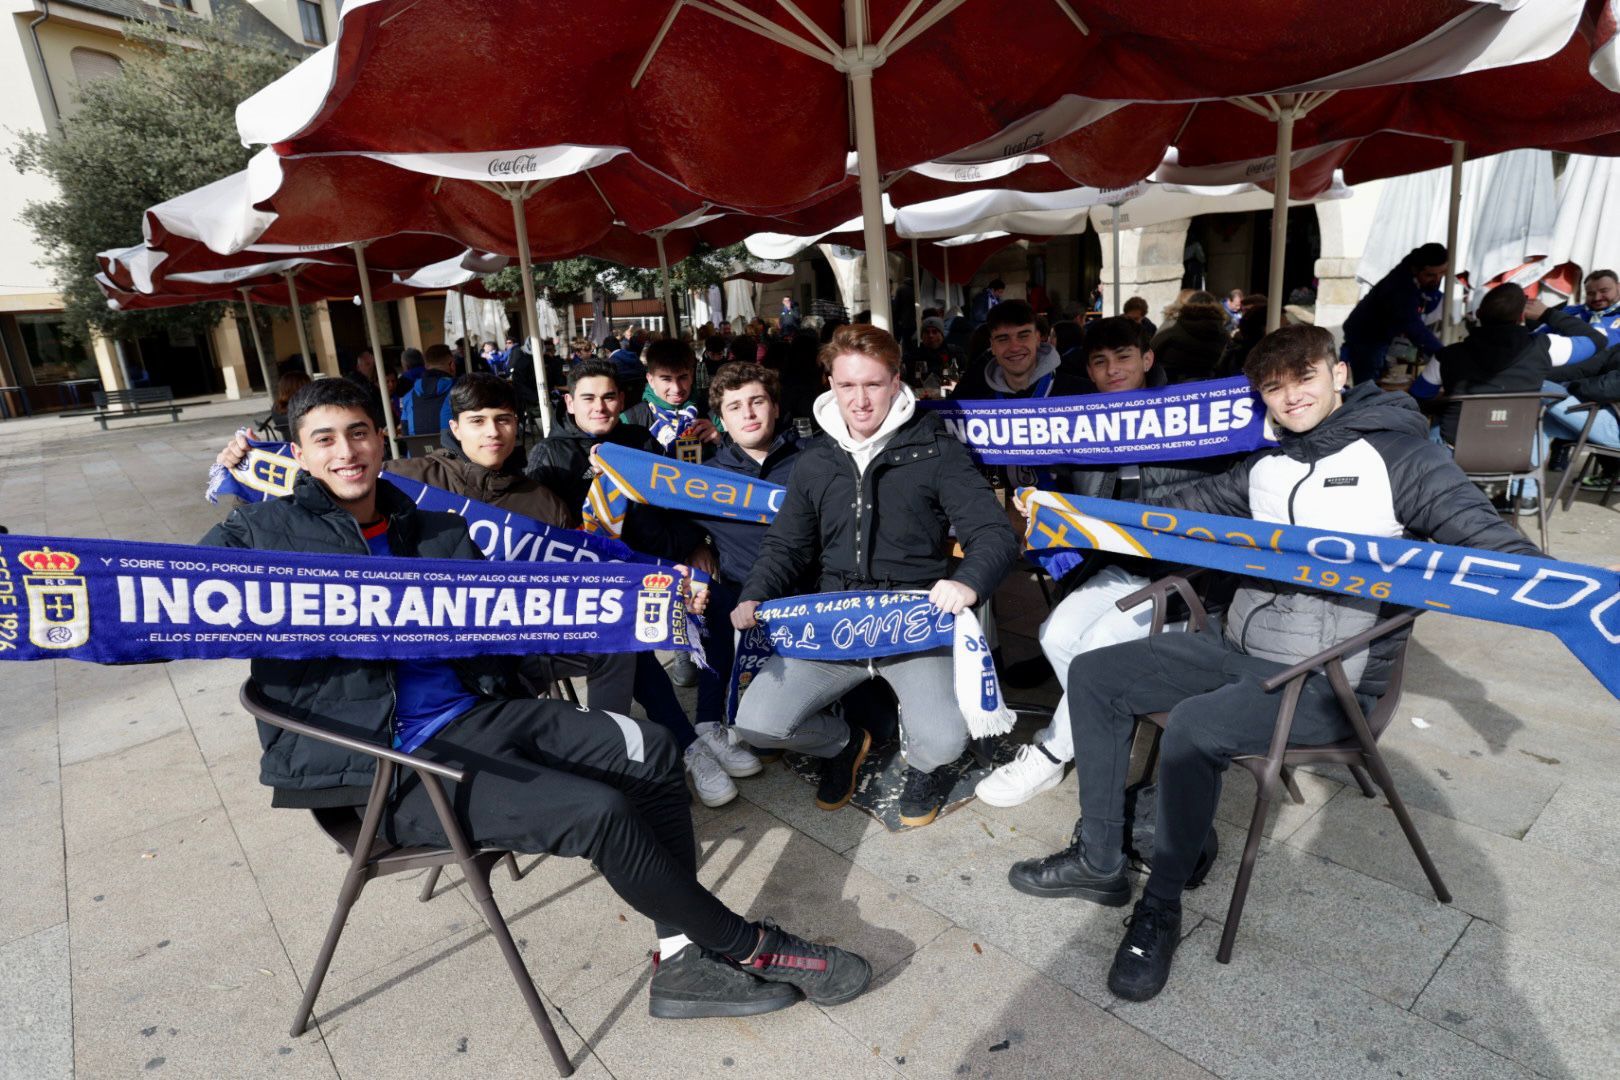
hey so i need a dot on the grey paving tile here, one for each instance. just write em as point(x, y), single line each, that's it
point(781, 793)
point(33, 888)
point(36, 1011)
point(106, 709)
point(1020, 1023)
point(30, 697)
point(1286, 816)
point(114, 795)
point(1579, 821)
point(1268, 1014)
point(1519, 886)
point(1554, 1014)
point(174, 957)
point(450, 1009)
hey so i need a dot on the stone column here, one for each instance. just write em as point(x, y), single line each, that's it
point(1345, 226)
point(410, 330)
point(1150, 265)
point(227, 341)
point(324, 342)
point(106, 354)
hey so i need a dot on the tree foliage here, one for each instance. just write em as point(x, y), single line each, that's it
point(162, 126)
point(578, 277)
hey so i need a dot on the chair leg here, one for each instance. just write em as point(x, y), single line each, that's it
point(512, 867)
point(1287, 776)
point(353, 882)
point(1364, 781)
point(477, 874)
point(430, 884)
point(1380, 771)
point(1240, 888)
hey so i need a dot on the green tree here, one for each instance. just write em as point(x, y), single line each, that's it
point(162, 126)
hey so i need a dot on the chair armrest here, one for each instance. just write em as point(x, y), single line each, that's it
point(1179, 582)
point(253, 700)
point(1341, 650)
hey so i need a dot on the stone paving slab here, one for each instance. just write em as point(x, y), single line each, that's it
point(36, 1007)
point(33, 887)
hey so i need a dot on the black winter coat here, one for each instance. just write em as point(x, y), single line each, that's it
point(349, 697)
point(562, 462)
point(1504, 360)
point(889, 528)
point(1190, 349)
point(1597, 379)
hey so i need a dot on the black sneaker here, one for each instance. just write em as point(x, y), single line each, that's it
point(1067, 873)
point(827, 975)
point(838, 772)
point(920, 798)
point(696, 982)
point(1142, 962)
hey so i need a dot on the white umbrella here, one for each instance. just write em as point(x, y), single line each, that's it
point(1586, 231)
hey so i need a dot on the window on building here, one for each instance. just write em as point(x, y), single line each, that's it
point(51, 356)
point(183, 5)
point(313, 22)
point(92, 64)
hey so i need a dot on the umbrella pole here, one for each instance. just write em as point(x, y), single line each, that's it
point(258, 348)
point(376, 347)
point(945, 254)
point(298, 321)
point(1115, 207)
point(1279, 211)
point(520, 226)
point(466, 334)
point(916, 289)
point(1453, 211)
point(877, 246)
point(672, 329)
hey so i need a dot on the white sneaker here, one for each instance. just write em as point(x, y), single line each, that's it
point(1021, 779)
point(737, 761)
point(683, 670)
point(709, 780)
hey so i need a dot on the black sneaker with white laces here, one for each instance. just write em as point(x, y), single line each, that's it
point(696, 982)
point(920, 799)
point(1142, 962)
point(839, 772)
point(825, 974)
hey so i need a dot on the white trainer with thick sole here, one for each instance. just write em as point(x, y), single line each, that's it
point(737, 761)
point(709, 781)
point(1021, 779)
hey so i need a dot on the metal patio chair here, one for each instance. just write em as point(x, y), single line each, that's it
point(1497, 435)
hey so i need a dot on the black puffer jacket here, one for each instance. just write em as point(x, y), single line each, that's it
point(1370, 469)
point(1190, 349)
point(1597, 379)
point(1506, 360)
point(349, 697)
point(562, 462)
point(889, 527)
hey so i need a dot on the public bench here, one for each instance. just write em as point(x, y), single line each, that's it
point(141, 401)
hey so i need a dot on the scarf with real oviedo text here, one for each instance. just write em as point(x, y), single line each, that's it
point(825, 626)
point(121, 601)
point(1579, 604)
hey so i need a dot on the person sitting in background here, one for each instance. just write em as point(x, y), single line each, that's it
point(1233, 305)
point(364, 372)
point(1190, 348)
point(929, 358)
point(743, 349)
point(549, 776)
point(714, 353)
point(1602, 307)
point(1251, 328)
point(426, 406)
point(1136, 309)
point(1396, 306)
point(1501, 355)
point(491, 358)
point(286, 386)
point(989, 298)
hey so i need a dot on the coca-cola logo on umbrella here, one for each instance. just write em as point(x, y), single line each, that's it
point(521, 165)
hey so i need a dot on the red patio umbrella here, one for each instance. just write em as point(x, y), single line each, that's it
point(918, 79)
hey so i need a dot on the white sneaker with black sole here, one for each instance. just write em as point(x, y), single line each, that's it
point(1021, 779)
point(737, 761)
point(709, 781)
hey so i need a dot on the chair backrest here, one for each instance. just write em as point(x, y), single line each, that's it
point(1496, 433)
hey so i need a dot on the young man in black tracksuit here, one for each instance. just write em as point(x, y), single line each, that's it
point(871, 506)
point(547, 776)
point(1356, 462)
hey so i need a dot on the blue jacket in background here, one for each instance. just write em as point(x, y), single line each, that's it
point(1607, 320)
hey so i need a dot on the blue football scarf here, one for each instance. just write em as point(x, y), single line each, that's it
point(121, 601)
point(670, 424)
point(1578, 603)
point(1172, 423)
point(634, 476)
point(866, 625)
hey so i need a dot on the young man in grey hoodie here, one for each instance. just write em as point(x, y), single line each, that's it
point(872, 506)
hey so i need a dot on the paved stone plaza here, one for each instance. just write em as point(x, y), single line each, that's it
point(157, 918)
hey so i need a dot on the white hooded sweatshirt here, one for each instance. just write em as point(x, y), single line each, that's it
point(864, 450)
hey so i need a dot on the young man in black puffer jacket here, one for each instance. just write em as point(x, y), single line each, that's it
point(1358, 462)
point(548, 776)
point(871, 506)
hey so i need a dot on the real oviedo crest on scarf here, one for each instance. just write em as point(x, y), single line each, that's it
point(58, 599)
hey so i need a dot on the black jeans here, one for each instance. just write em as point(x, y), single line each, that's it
point(550, 776)
point(1217, 712)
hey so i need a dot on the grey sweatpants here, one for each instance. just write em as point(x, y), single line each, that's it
point(786, 702)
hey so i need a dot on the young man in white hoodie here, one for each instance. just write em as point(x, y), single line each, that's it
point(872, 506)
